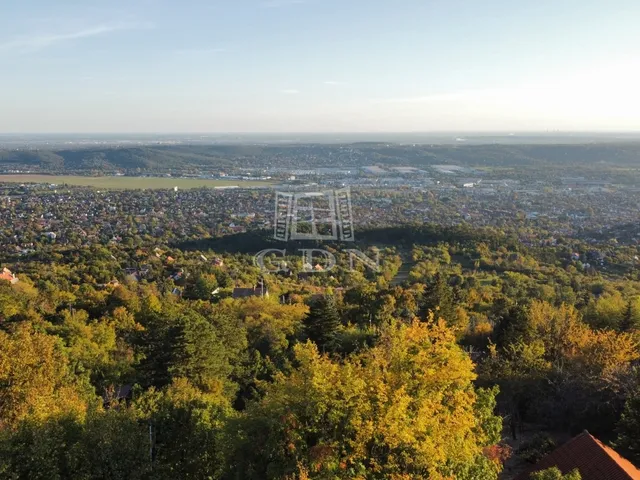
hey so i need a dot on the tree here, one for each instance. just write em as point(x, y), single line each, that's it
point(93, 345)
point(364, 298)
point(199, 354)
point(607, 311)
point(35, 379)
point(439, 298)
point(41, 449)
point(188, 430)
point(269, 326)
point(323, 322)
point(202, 287)
point(554, 473)
point(629, 320)
point(156, 344)
point(180, 342)
point(513, 326)
point(114, 444)
point(405, 408)
point(552, 366)
point(628, 428)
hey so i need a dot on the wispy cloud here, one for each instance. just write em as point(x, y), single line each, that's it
point(199, 51)
point(334, 83)
point(282, 3)
point(39, 41)
point(443, 97)
point(290, 91)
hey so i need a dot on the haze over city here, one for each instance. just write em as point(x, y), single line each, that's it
point(319, 66)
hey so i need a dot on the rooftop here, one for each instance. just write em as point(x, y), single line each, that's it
point(591, 457)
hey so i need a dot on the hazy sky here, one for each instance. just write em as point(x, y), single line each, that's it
point(319, 65)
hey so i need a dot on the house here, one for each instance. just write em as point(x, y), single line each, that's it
point(257, 291)
point(8, 276)
point(469, 182)
point(175, 276)
point(592, 458)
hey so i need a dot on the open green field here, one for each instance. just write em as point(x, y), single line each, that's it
point(128, 183)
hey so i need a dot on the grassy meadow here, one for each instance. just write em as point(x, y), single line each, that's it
point(128, 183)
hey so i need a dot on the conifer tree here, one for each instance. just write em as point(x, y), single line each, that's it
point(628, 322)
point(439, 298)
point(323, 322)
point(629, 427)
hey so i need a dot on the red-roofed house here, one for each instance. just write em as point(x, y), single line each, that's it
point(8, 276)
point(591, 457)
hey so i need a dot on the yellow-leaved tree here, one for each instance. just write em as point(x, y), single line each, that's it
point(35, 379)
point(404, 409)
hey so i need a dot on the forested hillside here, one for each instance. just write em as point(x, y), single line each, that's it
point(162, 370)
point(206, 157)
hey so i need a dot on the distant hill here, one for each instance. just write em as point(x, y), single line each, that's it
point(197, 158)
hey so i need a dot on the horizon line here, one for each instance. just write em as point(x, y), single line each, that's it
point(354, 132)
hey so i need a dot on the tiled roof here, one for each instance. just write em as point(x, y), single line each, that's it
point(591, 457)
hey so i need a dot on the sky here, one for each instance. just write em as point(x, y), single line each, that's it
point(156, 66)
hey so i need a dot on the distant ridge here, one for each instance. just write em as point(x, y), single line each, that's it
point(196, 158)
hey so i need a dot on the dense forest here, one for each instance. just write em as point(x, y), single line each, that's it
point(466, 352)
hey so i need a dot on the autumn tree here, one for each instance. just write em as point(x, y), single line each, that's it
point(552, 366)
point(96, 347)
point(405, 408)
point(35, 378)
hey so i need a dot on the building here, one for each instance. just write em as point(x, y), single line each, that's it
point(218, 262)
point(8, 276)
point(258, 291)
point(469, 182)
point(591, 457)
